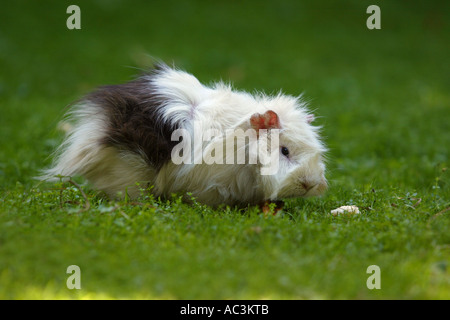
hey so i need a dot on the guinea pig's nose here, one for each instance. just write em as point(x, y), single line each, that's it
point(314, 188)
point(323, 186)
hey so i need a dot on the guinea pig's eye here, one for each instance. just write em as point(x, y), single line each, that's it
point(285, 151)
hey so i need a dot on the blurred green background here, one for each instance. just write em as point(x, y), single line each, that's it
point(382, 97)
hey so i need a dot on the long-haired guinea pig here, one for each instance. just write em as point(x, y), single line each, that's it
point(123, 139)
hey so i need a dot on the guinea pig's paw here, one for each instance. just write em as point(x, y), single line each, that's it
point(345, 209)
point(271, 207)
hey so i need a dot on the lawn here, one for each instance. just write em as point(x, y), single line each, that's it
point(382, 97)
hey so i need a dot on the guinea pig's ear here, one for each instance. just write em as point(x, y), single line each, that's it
point(267, 120)
point(310, 118)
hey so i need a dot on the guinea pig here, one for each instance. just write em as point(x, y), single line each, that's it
point(122, 139)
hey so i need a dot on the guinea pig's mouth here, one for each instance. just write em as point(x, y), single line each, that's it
point(303, 190)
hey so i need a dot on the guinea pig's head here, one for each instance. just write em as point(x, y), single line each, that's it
point(299, 153)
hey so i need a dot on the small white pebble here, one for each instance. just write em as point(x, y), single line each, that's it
point(345, 209)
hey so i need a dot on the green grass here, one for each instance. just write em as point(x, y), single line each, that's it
point(382, 98)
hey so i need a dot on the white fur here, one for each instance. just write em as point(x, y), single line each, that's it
point(217, 107)
point(107, 168)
